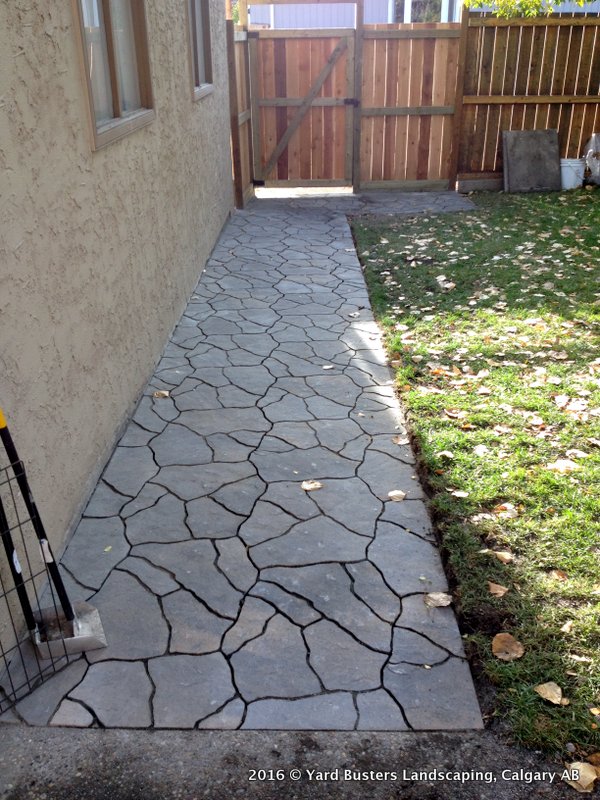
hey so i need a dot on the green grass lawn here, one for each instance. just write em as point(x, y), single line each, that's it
point(491, 320)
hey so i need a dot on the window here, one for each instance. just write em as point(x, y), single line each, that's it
point(199, 19)
point(117, 66)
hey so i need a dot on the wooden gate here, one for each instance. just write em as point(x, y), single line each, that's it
point(302, 102)
point(370, 107)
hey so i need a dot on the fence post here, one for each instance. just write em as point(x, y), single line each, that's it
point(458, 99)
point(357, 122)
point(234, 114)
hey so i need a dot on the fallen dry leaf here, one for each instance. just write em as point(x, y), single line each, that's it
point(595, 712)
point(567, 627)
point(496, 589)
point(506, 511)
point(311, 486)
point(437, 599)
point(563, 466)
point(458, 492)
point(550, 691)
point(445, 454)
point(481, 450)
point(506, 648)
point(558, 574)
point(502, 555)
point(594, 759)
point(328, 366)
point(586, 773)
point(161, 393)
point(400, 440)
point(574, 453)
point(396, 495)
point(455, 413)
point(483, 390)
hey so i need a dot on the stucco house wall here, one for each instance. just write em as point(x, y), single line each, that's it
point(99, 250)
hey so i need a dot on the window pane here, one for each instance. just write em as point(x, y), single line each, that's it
point(199, 22)
point(95, 43)
point(124, 39)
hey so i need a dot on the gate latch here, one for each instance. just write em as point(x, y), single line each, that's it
point(351, 101)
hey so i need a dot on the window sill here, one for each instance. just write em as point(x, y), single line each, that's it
point(116, 129)
point(203, 91)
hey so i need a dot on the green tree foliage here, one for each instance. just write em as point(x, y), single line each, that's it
point(518, 8)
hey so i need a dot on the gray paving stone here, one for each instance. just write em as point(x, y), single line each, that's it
point(146, 418)
point(228, 718)
point(275, 664)
point(351, 503)
point(255, 380)
point(407, 563)
point(118, 692)
point(340, 661)
point(132, 620)
point(72, 715)
point(227, 448)
point(329, 589)
point(240, 497)
point(209, 520)
point(337, 388)
point(178, 445)
point(224, 420)
point(146, 498)
point(189, 688)
point(297, 609)
point(437, 624)
point(295, 434)
point(412, 648)
point(163, 522)
point(105, 502)
point(316, 462)
point(383, 474)
point(327, 712)
point(336, 434)
point(436, 699)
point(267, 521)
point(96, 547)
point(189, 483)
point(194, 629)
point(39, 707)
point(234, 563)
point(370, 587)
point(412, 515)
point(157, 580)
point(129, 469)
point(287, 409)
point(378, 712)
point(251, 623)
point(136, 436)
point(316, 540)
point(192, 564)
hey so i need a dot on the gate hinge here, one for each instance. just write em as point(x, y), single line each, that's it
point(351, 101)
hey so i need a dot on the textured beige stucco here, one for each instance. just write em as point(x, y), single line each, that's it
point(98, 250)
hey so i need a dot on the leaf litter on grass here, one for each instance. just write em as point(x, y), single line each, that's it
point(501, 372)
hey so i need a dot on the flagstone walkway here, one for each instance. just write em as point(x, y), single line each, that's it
point(230, 596)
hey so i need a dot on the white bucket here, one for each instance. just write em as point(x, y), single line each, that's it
point(571, 172)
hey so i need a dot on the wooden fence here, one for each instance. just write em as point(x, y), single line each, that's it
point(526, 74)
point(410, 106)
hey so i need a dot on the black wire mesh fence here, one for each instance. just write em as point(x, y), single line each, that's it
point(25, 589)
